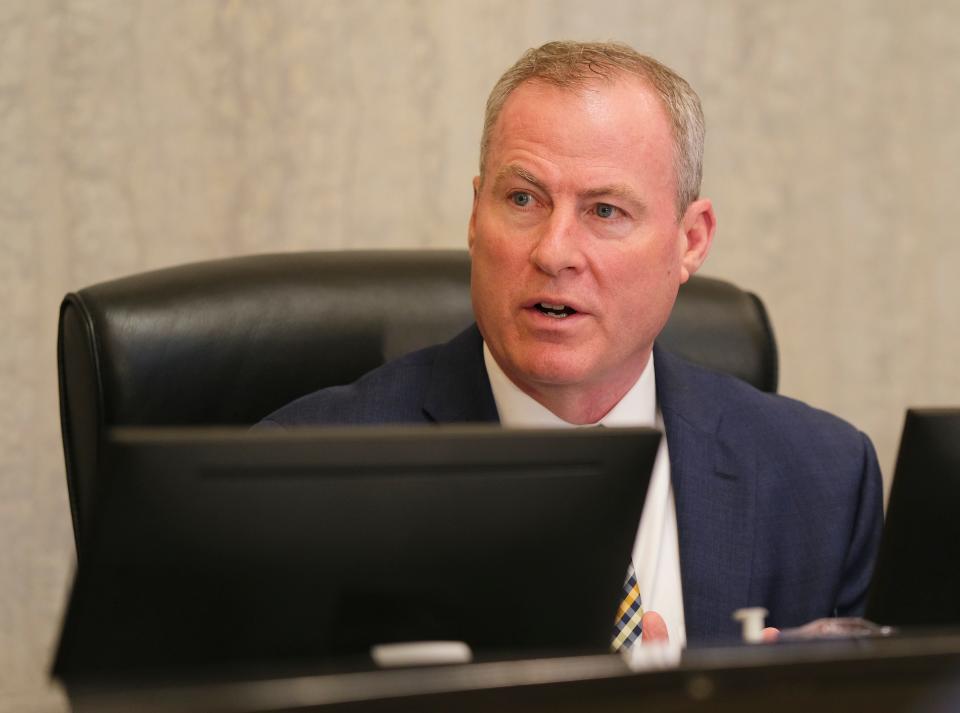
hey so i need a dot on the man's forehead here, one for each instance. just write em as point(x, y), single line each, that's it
point(620, 146)
point(629, 91)
point(588, 88)
point(600, 121)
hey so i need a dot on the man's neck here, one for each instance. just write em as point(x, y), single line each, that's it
point(578, 405)
point(574, 404)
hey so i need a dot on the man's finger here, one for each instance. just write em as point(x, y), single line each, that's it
point(654, 628)
point(770, 634)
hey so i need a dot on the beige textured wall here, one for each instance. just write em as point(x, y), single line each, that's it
point(136, 134)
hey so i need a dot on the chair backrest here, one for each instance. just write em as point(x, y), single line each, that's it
point(228, 341)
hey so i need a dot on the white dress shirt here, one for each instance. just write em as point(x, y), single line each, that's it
point(656, 553)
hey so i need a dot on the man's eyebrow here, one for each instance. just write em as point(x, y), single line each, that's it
point(519, 171)
point(617, 190)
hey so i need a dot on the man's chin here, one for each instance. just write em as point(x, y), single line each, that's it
point(553, 374)
point(541, 366)
point(552, 370)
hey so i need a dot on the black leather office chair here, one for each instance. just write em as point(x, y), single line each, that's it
point(228, 341)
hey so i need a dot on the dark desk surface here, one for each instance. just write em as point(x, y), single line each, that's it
point(915, 673)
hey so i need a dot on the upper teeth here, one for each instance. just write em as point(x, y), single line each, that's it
point(555, 311)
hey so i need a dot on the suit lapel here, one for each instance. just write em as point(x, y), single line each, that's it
point(714, 487)
point(459, 388)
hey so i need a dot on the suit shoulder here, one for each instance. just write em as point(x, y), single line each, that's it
point(762, 413)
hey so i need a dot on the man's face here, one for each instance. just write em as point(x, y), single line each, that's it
point(576, 247)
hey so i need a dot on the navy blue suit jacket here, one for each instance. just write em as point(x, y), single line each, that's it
point(778, 504)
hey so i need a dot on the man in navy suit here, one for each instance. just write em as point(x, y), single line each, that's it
point(586, 220)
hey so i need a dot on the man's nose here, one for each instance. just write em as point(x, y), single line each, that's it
point(559, 245)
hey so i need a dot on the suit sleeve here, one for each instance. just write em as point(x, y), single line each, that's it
point(865, 540)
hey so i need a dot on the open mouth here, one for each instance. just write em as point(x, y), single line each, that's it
point(555, 311)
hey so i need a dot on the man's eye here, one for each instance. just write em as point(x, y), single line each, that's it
point(605, 210)
point(521, 198)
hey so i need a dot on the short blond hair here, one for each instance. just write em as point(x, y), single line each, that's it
point(573, 64)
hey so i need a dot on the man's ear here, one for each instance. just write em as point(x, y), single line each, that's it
point(696, 232)
point(472, 228)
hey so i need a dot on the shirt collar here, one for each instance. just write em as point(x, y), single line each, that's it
point(638, 407)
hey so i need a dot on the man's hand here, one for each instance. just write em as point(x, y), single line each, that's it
point(834, 628)
point(655, 630)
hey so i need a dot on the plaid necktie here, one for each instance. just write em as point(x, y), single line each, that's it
point(628, 627)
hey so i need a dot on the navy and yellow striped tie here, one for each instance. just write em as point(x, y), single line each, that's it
point(628, 625)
